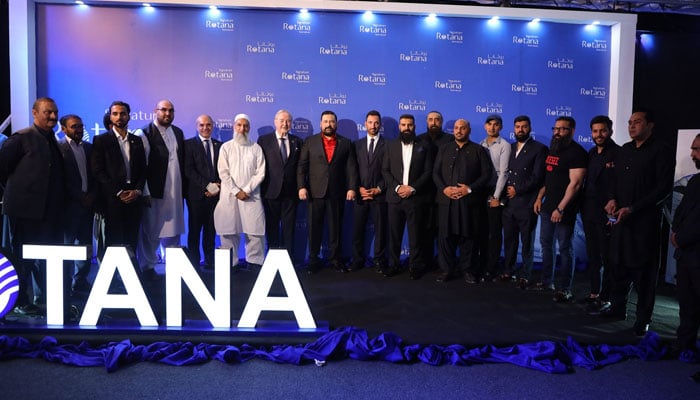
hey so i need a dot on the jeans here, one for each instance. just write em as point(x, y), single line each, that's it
point(562, 232)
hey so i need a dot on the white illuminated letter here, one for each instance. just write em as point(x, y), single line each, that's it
point(179, 269)
point(117, 258)
point(277, 260)
point(54, 256)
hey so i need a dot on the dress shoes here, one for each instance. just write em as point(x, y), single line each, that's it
point(443, 277)
point(415, 273)
point(27, 309)
point(356, 266)
point(339, 266)
point(522, 283)
point(505, 278)
point(563, 296)
point(640, 329)
point(392, 271)
point(470, 278)
point(610, 312)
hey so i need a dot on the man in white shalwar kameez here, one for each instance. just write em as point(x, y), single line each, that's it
point(240, 208)
point(163, 222)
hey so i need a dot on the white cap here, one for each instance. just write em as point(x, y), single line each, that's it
point(239, 116)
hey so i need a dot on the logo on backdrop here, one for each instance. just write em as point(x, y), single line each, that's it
point(491, 107)
point(491, 59)
point(333, 99)
point(303, 128)
point(299, 27)
point(374, 78)
point(297, 76)
point(527, 40)
point(260, 48)
point(561, 63)
point(260, 96)
point(451, 85)
point(529, 89)
point(414, 56)
point(413, 105)
point(221, 74)
point(333, 50)
point(597, 92)
point(374, 29)
point(223, 25)
point(451, 36)
point(559, 111)
point(9, 285)
point(597, 44)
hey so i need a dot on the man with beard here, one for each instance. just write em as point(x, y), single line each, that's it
point(118, 163)
point(203, 186)
point(31, 170)
point(643, 181)
point(499, 150)
point(461, 174)
point(407, 169)
point(326, 178)
point(164, 221)
point(525, 178)
point(599, 177)
point(557, 204)
point(685, 237)
point(370, 152)
point(436, 137)
point(279, 188)
point(240, 209)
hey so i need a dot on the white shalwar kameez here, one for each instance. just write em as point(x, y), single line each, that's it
point(241, 168)
point(164, 221)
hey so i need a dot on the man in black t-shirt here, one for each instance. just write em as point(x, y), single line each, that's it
point(557, 204)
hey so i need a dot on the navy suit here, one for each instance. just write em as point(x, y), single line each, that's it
point(31, 169)
point(327, 184)
point(526, 175)
point(79, 211)
point(370, 176)
point(686, 227)
point(408, 212)
point(122, 221)
point(279, 190)
point(199, 173)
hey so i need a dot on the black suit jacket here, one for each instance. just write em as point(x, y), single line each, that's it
point(109, 169)
point(74, 184)
point(26, 172)
point(158, 158)
point(686, 224)
point(600, 178)
point(330, 180)
point(370, 171)
point(526, 173)
point(197, 168)
point(280, 179)
point(420, 174)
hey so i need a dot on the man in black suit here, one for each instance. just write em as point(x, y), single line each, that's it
point(326, 177)
point(685, 237)
point(279, 189)
point(81, 196)
point(407, 169)
point(370, 152)
point(462, 173)
point(203, 185)
point(599, 178)
point(524, 180)
point(643, 181)
point(118, 164)
point(163, 221)
point(31, 169)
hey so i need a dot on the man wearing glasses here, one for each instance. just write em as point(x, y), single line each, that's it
point(557, 204)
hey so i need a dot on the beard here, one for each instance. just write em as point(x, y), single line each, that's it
point(241, 139)
point(697, 163)
point(463, 139)
point(557, 144)
point(408, 136)
point(328, 132)
point(522, 138)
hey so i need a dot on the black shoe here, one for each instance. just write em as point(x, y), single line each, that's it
point(380, 268)
point(470, 278)
point(393, 271)
point(640, 329)
point(72, 315)
point(356, 266)
point(522, 283)
point(505, 278)
point(443, 277)
point(339, 266)
point(612, 313)
point(415, 273)
point(536, 287)
point(563, 296)
point(598, 307)
point(27, 309)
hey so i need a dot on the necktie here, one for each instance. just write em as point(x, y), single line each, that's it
point(210, 162)
point(371, 149)
point(283, 150)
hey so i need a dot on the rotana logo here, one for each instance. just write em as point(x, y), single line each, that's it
point(9, 286)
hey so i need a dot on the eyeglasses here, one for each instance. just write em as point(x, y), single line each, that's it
point(560, 128)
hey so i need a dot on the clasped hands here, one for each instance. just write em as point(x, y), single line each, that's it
point(456, 192)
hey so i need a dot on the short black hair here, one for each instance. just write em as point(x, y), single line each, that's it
point(64, 119)
point(521, 118)
point(570, 120)
point(602, 119)
point(120, 103)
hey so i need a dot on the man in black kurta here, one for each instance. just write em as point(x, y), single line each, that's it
point(643, 181)
point(461, 174)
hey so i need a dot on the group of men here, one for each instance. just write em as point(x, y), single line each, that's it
point(458, 200)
